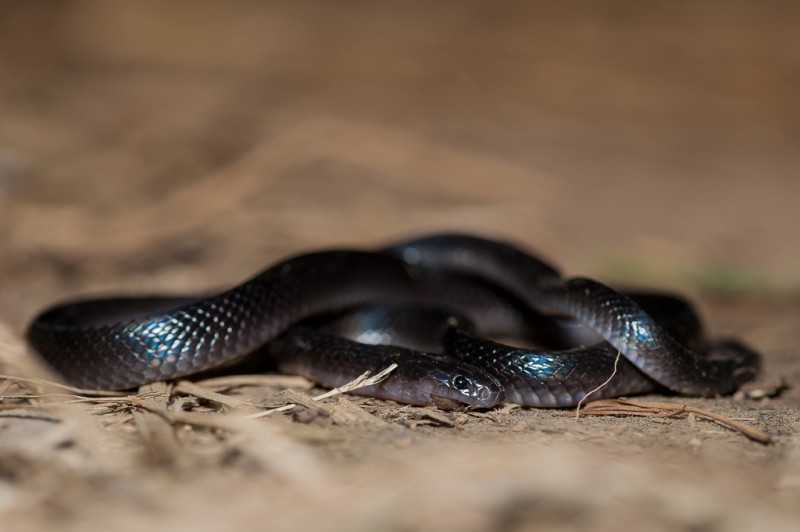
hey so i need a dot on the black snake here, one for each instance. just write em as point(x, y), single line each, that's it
point(445, 292)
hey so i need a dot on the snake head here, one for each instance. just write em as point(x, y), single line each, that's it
point(455, 386)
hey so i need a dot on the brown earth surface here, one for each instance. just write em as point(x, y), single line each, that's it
point(182, 146)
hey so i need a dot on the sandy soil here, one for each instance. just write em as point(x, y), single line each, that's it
point(150, 147)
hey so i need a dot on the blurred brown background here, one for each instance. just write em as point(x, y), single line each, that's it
point(184, 145)
point(655, 142)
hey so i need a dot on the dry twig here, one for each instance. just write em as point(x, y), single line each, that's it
point(361, 381)
point(600, 387)
point(619, 407)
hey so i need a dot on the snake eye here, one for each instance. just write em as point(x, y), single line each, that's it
point(461, 383)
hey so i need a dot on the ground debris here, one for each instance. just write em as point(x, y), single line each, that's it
point(662, 409)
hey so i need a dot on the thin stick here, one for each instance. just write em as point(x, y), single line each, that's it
point(578, 408)
point(361, 381)
point(750, 432)
point(617, 407)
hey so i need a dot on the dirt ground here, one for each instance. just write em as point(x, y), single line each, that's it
point(149, 146)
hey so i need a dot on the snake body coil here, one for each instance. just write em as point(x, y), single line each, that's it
point(476, 286)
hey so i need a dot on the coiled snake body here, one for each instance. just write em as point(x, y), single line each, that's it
point(445, 291)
